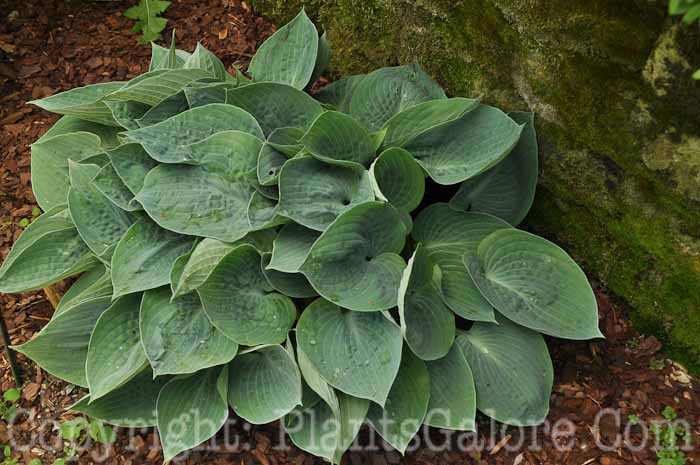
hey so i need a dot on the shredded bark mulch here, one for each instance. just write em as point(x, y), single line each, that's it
point(51, 46)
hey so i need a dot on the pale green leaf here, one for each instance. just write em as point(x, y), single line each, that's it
point(204, 258)
point(203, 59)
point(339, 93)
point(294, 285)
point(108, 182)
point(337, 138)
point(132, 163)
point(291, 247)
point(84, 102)
point(397, 178)
point(155, 86)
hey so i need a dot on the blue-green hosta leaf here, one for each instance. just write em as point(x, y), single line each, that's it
point(387, 91)
point(163, 141)
point(232, 154)
point(291, 247)
point(49, 250)
point(203, 59)
point(337, 138)
point(84, 102)
point(144, 257)
point(339, 93)
point(98, 220)
point(397, 178)
point(69, 124)
point(315, 382)
point(463, 148)
point(115, 354)
point(323, 58)
point(287, 140)
point(161, 58)
point(191, 409)
point(132, 164)
point(192, 200)
point(355, 263)
point(88, 287)
point(508, 189)
point(126, 112)
point(314, 193)
point(240, 302)
point(324, 432)
point(204, 94)
point(452, 402)
point(294, 285)
point(406, 405)
point(512, 371)
point(132, 405)
point(203, 259)
point(447, 234)
point(264, 384)
point(289, 55)
point(534, 283)
point(270, 162)
point(155, 86)
point(422, 117)
point(275, 105)
point(171, 106)
point(49, 165)
point(358, 353)
point(177, 335)
point(427, 323)
point(263, 213)
point(108, 182)
point(61, 346)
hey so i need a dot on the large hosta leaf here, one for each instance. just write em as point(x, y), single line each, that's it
point(84, 102)
point(115, 354)
point(108, 182)
point(397, 178)
point(191, 409)
point(163, 141)
point(358, 353)
point(422, 117)
point(125, 113)
point(177, 335)
point(86, 281)
point(61, 347)
point(98, 220)
point(355, 263)
point(313, 193)
point(155, 86)
point(452, 394)
point(49, 250)
point(406, 405)
point(339, 93)
point(204, 258)
point(294, 285)
point(171, 106)
point(132, 405)
point(205, 60)
point(132, 164)
point(461, 149)
point(535, 283)
point(270, 161)
point(49, 164)
point(289, 55)
point(387, 91)
point(144, 257)
point(239, 301)
point(512, 371)
point(275, 106)
point(337, 138)
point(508, 189)
point(447, 234)
point(427, 323)
point(291, 247)
point(264, 384)
point(69, 124)
point(166, 58)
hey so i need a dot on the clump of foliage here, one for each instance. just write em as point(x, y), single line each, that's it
point(668, 435)
point(243, 243)
point(690, 10)
point(149, 23)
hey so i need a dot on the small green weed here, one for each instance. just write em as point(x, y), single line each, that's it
point(8, 406)
point(668, 436)
point(656, 364)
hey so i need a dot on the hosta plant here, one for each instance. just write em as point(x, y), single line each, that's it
point(243, 244)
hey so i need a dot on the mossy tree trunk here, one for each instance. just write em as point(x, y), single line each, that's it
point(618, 119)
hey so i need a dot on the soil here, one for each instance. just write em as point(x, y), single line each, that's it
point(50, 46)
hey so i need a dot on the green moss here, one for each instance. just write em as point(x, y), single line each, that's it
point(617, 117)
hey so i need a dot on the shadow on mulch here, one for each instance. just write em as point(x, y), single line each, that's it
point(47, 47)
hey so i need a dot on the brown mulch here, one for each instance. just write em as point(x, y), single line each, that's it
point(47, 47)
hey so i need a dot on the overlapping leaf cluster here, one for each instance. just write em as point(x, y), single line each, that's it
point(245, 244)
